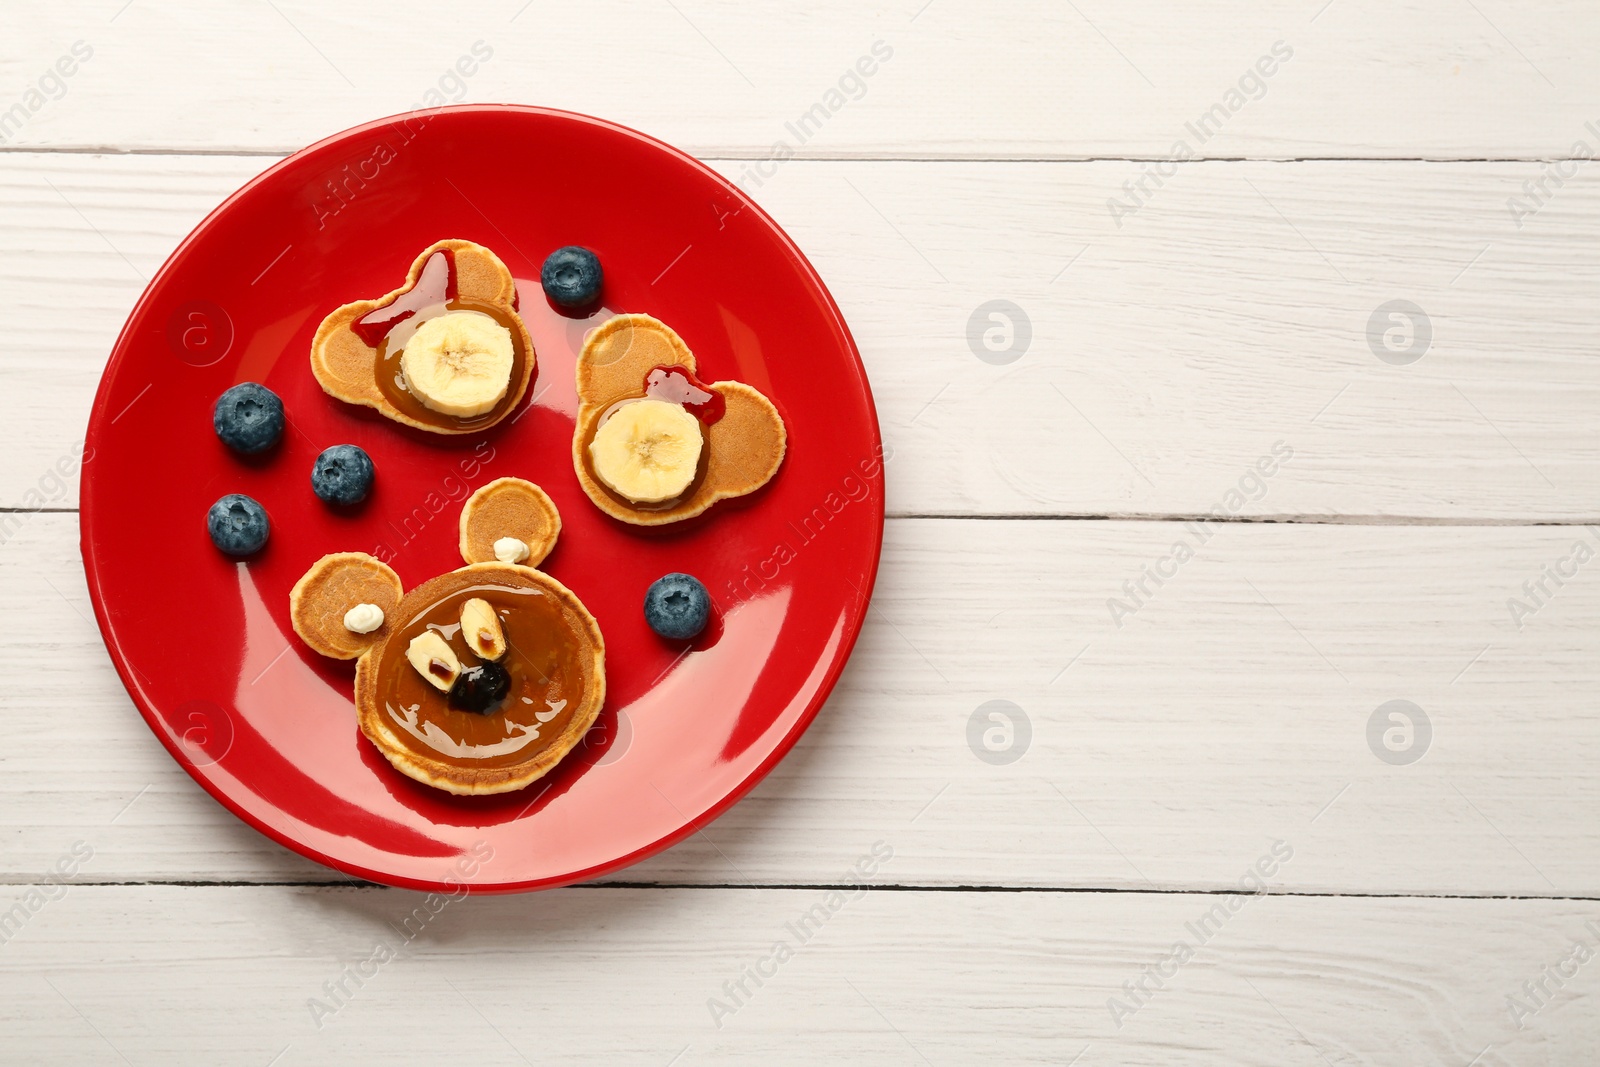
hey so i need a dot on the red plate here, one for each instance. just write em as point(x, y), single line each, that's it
point(204, 644)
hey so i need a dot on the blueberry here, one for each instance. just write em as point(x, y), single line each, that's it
point(677, 606)
point(248, 418)
point(238, 524)
point(342, 475)
point(571, 276)
point(480, 689)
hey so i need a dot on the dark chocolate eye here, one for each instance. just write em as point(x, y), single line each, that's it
point(480, 689)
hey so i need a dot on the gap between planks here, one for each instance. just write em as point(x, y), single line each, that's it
point(1042, 516)
point(823, 887)
point(734, 156)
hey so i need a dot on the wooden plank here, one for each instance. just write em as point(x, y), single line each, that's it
point(952, 78)
point(237, 975)
point(1227, 317)
point(1230, 708)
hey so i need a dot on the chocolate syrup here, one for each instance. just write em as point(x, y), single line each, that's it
point(389, 327)
point(545, 657)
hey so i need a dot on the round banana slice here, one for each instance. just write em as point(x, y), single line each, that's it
point(647, 451)
point(459, 363)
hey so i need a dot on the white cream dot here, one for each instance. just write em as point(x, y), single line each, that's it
point(510, 550)
point(363, 618)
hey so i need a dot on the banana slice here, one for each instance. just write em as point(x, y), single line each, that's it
point(647, 451)
point(434, 660)
point(459, 363)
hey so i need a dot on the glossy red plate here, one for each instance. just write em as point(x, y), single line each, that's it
point(203, 642)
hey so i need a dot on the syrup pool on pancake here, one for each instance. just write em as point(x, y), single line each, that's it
point(442, 360)
point(542, 650)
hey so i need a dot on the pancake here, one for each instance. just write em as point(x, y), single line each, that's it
point(508, 507)
point(347, 367)
point(743, 448)
point(423, 752)
point(333, 586)
point(552, 652)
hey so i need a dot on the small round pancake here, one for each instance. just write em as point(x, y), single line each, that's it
point(455, 777)
point(333, 586)
point(509, 507)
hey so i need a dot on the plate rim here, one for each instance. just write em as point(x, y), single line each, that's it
point(855, 614)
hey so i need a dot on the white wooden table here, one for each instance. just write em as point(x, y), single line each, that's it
point(1235, 310)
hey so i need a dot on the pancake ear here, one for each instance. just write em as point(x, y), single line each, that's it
point(335, 584)
point(509, 507)
point(747, 444)
point(481, 278)
point(620, 351)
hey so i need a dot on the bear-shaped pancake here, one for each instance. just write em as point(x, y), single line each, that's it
point(446, 352)
point(478, 680)
point(653, 444)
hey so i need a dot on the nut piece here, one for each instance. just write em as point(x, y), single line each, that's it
point(434, 660)
point(363, 618)
point(510, 550)
point(480, 626)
